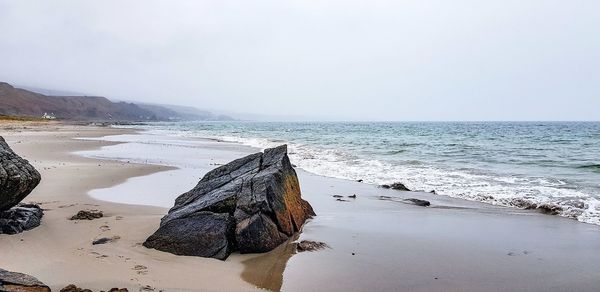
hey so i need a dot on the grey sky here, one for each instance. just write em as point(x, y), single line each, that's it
point(360, 60)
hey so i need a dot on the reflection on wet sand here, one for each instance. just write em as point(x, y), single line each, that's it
point(266, 270)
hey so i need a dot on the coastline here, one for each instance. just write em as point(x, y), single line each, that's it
point(454, 245)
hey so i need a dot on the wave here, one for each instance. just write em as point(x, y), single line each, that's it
point(592, 167)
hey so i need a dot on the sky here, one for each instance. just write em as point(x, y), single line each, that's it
point(317, 59)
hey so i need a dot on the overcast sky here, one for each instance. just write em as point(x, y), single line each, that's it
point(359, 60)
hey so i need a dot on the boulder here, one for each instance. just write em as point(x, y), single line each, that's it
point(17, 177)
point(18, 282)
point(20, 218)
point(252, 204)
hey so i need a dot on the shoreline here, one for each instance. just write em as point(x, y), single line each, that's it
point(570, 193)
point(453, 245)
point(516, 204)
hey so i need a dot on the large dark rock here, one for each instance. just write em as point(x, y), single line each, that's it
point(18, 282)
point(20, 218)
point(17, 177)
point(252, 204)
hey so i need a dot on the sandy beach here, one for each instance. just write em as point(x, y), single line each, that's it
point(60, 251)
point(377, 241)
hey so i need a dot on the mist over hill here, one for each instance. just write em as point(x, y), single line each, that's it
point(21, 102)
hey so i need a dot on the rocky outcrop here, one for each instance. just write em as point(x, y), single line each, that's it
point(17, 177)
point(252, 204)
point(20, 218)
point(18, 282)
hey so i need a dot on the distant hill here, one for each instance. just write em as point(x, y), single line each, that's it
point(185, 112)
point(21, 102)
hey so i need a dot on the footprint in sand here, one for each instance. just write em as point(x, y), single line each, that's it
point(67, 206)
point(98, 255)
point(146, 288)
point(141, 269)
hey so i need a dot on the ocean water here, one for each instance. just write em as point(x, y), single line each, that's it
point(514, 164)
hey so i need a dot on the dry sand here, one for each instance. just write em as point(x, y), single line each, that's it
point(60, 251)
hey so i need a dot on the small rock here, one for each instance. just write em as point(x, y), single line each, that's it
point(418, 202)
point(341, 200)
point(337, 196)
point(105, 240)
point(87, 215)
point(399, 186)
point(118, 290)
point(307, 245)
point(359, 180)
point(73, 288)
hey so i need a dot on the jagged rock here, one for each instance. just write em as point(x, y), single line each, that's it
point(17, 177)
point(18, 282)
point(87, 215)
point(396, 186)
point(20, 218)
point(252, 204)
point(308, 245)
point(418, 202)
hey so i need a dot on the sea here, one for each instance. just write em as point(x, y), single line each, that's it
point(555, 165)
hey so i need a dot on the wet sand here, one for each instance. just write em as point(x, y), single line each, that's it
point(375, 244)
